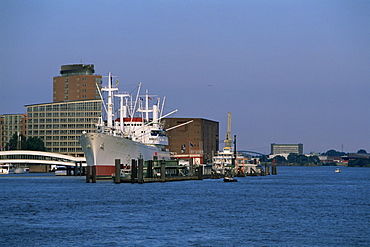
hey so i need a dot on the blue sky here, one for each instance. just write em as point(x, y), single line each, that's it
point(289, 71)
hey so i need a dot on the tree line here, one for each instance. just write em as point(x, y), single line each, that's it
point(303, 160)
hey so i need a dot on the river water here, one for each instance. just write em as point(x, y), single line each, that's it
point(301, 206)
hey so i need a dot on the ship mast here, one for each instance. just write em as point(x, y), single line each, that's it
point(110, 89)
point(123, 108)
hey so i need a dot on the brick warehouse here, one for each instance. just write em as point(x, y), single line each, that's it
point(197, 140)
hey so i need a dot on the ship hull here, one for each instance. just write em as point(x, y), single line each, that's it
point(101, 150)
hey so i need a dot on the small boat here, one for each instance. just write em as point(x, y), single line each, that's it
point(61, 171)
point(230, 179)
point(6, 169)
point(22, 170)
point(338, 170)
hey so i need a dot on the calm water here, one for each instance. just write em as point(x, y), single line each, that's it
point(301, 206)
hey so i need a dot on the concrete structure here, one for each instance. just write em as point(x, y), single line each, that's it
point(197, 140)
point(286, 148)
point(9, 125)
point(60, 124)
point(76, 82)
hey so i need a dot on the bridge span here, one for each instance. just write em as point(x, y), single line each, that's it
point(39, 158)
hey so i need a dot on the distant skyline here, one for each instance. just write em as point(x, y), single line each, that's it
point(289, 71)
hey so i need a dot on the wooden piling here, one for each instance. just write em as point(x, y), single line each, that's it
point(117, 166)
point(163, 171)
point(191, 166)
point(93, 174)
point(200, 172)
point(267, 169)
point(75, 171)
point(88, 174)
point(149, 171)
point(140, 174)
point(133, 170)
point(274, 170)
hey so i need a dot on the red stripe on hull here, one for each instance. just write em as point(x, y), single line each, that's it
point(104, 171)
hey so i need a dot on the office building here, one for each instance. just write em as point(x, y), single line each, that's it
point(76, 82)
point(286, 148)
point(9, 125)
point(60, 124)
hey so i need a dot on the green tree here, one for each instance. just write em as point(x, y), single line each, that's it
point(334, 153)
point(21, 143)
point(361, 151)
point(292, 158)
point(362, 162)
point(35, 144)
point(264, 158)
point(17, 142)
point(302, 159)
point(279, 159)
point(314, 160)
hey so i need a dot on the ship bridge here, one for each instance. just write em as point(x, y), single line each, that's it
point(39, 158)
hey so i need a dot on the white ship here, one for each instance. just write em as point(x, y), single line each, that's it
point(223, 164)
point(6, 169)
point(136, 133)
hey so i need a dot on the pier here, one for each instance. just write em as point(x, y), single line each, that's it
point(151, 171)
point(159, 171)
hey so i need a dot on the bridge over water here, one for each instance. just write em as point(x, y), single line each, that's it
point(39, 158)
point(250, 153)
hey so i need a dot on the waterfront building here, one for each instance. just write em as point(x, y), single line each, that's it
point(77, 107)
point(286, 148)
point(197, 140)
point(76, 82)
point(10, 124)
point(60, 124)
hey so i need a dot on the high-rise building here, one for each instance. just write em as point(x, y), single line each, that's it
point(76, 82)
point(197, 140)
